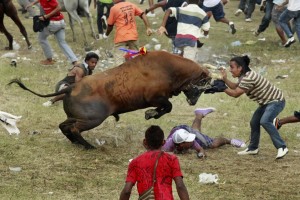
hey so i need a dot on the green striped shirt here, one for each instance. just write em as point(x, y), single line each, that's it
point(259, 89)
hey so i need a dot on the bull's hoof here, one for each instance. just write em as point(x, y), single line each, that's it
point(150, 114)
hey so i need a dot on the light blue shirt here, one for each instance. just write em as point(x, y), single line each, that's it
point(278, 2)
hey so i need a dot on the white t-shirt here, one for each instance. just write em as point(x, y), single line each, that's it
point(294, 5)
point(212, 3)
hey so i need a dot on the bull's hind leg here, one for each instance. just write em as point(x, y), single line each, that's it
point(72, 129)
point(163, 106)
point(65, 129)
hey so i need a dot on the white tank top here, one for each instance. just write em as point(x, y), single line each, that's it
point(210, 3)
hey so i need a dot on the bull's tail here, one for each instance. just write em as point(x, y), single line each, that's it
point(19, 82)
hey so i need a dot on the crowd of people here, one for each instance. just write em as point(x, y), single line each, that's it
point(183, 22)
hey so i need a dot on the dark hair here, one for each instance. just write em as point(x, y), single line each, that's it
point(90, 55)
point(242, 61)
point(193, 2)
point(154, 136)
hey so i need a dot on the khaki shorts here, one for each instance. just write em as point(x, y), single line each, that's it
point(190, 52)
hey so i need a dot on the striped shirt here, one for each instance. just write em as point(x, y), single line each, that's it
point(190, 19)
point(259, 89)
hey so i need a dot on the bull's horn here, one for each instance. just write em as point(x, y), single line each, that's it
point(209, 66)
point(215, 76)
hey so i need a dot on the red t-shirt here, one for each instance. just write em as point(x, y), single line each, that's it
point(49, 6)
point(140, 170)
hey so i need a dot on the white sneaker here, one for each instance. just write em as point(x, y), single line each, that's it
point(248, 152)
point(232, 28)
point(248, 20)
point(48, 103)
point(150, 14)
point(100, 36)
point(290, 41)
point(204, 111)
point(238, 12)
point(237, 143)
point(282, 152)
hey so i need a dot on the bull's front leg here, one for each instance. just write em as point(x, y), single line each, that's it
point(163, 106)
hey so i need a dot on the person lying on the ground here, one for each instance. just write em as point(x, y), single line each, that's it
point(286, 120)
point(75, 74)
point(184, 137)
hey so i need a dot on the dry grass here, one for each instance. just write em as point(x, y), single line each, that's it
point(53, 168)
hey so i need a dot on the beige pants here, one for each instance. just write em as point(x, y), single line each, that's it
point(119, 54)
point(190, 53)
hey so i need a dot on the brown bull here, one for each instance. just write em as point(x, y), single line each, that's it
point(145, 81)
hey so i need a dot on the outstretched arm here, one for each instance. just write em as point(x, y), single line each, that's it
point(146, 22)
point(162, 28)
point(181, 189)
point(229, 83)
point(233, 90)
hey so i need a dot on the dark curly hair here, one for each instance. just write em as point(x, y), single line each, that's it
point(242, 61)
point(154, 136)
point(90, 55)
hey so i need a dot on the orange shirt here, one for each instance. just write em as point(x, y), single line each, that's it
point(122, 15)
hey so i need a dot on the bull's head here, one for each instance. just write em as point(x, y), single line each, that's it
point(193, 91)
point(192, 95)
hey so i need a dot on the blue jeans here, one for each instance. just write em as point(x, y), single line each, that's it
point(263, 116)
point(284, 20)
point(247, 6)
point(265, 21)
point(58, 29)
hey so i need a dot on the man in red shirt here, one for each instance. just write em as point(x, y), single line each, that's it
point(57, 28)
point(140, 170)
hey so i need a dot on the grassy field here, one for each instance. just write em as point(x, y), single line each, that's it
point(53, 168)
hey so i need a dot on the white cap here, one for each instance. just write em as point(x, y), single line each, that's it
point(181, 135)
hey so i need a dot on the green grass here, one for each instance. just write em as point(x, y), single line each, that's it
point(53, 168)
